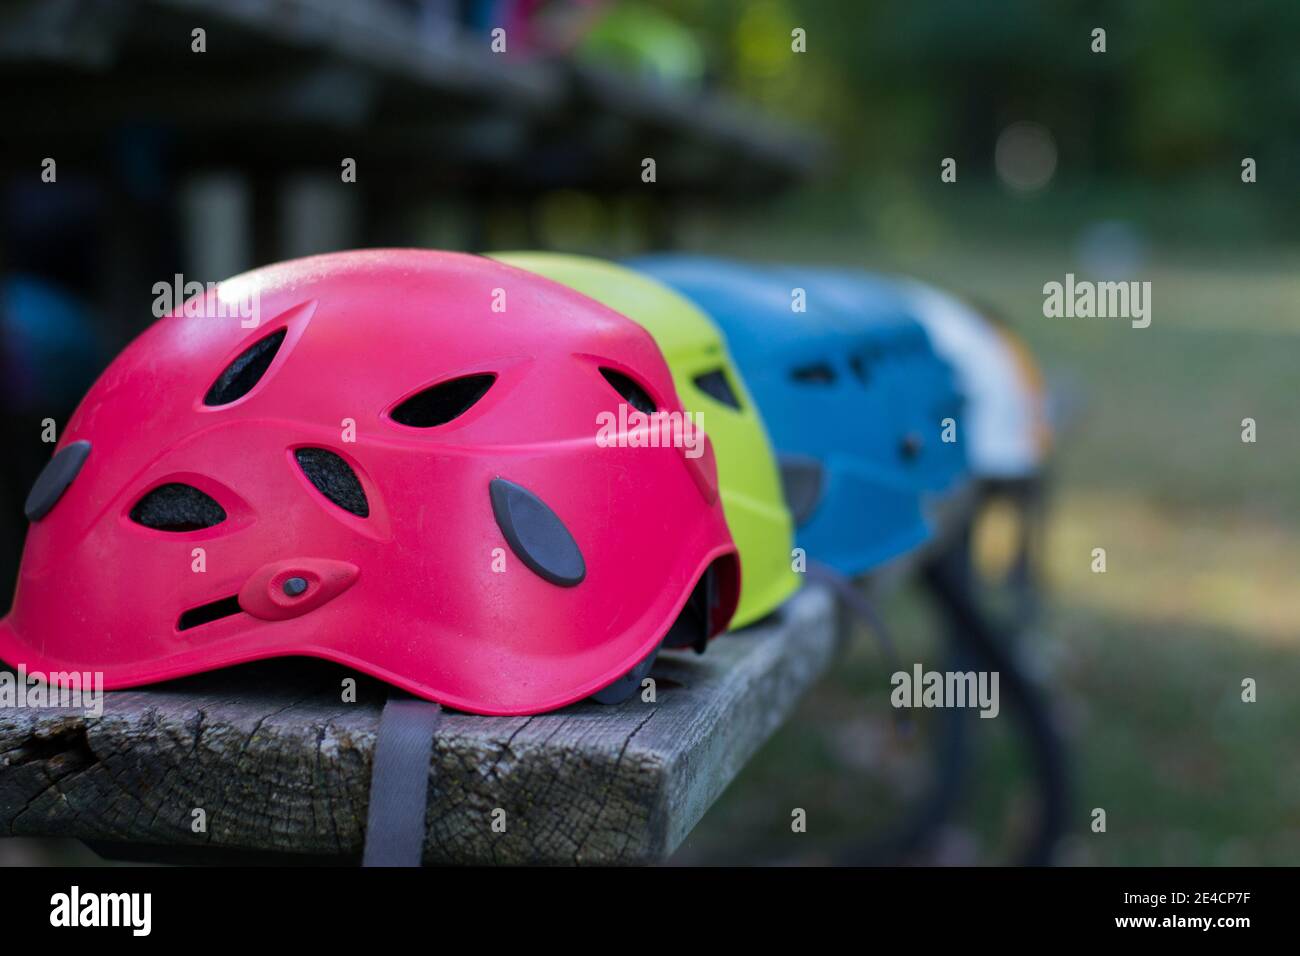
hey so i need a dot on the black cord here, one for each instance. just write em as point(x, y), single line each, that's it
point(975, 641)
point(949, 580)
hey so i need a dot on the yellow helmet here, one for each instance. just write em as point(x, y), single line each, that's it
point(707, 382)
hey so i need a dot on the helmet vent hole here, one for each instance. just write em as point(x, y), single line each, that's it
point(177, 507)
point(207, 613)
point(443, 402)
point(819, 373)
point(245, 371)
point(632, 392)
point(333, 478)
point(717, 386)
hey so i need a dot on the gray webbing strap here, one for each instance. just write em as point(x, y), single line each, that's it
point(399, 782)
point(857, 602)
point(864, 611)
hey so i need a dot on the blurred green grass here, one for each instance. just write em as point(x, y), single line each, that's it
point(1145, 661)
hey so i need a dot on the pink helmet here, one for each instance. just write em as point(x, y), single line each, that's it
point(397, 469)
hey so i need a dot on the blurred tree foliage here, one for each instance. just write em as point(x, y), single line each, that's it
point(1183, 92)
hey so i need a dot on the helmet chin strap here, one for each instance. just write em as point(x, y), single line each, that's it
point(399, 782)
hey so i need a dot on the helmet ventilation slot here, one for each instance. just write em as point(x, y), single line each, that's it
point(177, 507)
point(717, 386)
point(207, 613)
point(245, 371)
point(861, 366)
point(631, 391)
point(443, 402)
point(818, 373)
point(333, 478)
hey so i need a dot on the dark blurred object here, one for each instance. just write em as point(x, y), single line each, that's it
point(52, 350)
point(52, 233)
point(51, 344)
point(418, 98)
point(642, 41)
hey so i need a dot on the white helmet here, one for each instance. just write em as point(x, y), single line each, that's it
point(1007, 434)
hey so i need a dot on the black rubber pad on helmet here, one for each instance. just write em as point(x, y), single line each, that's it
point(628, 684)
point(801, 480)
point(54, 479)
point(536, 534)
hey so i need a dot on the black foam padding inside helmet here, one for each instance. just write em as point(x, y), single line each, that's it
point(536, 534)
point(443, 402)
point(239, 377)
point(802, 480)
point(716, 385)
point(177, 507)
point(333, 478)
point(54, 479)
point(691, 629)
point(632, 391)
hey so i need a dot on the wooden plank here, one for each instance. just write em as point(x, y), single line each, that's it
point(278, 763)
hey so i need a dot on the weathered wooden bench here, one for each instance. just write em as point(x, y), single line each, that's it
point(279, 765)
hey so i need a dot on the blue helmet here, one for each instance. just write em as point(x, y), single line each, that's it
point(848, 389)
point(926, 390)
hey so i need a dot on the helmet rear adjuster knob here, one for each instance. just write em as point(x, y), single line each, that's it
point(296, 586)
